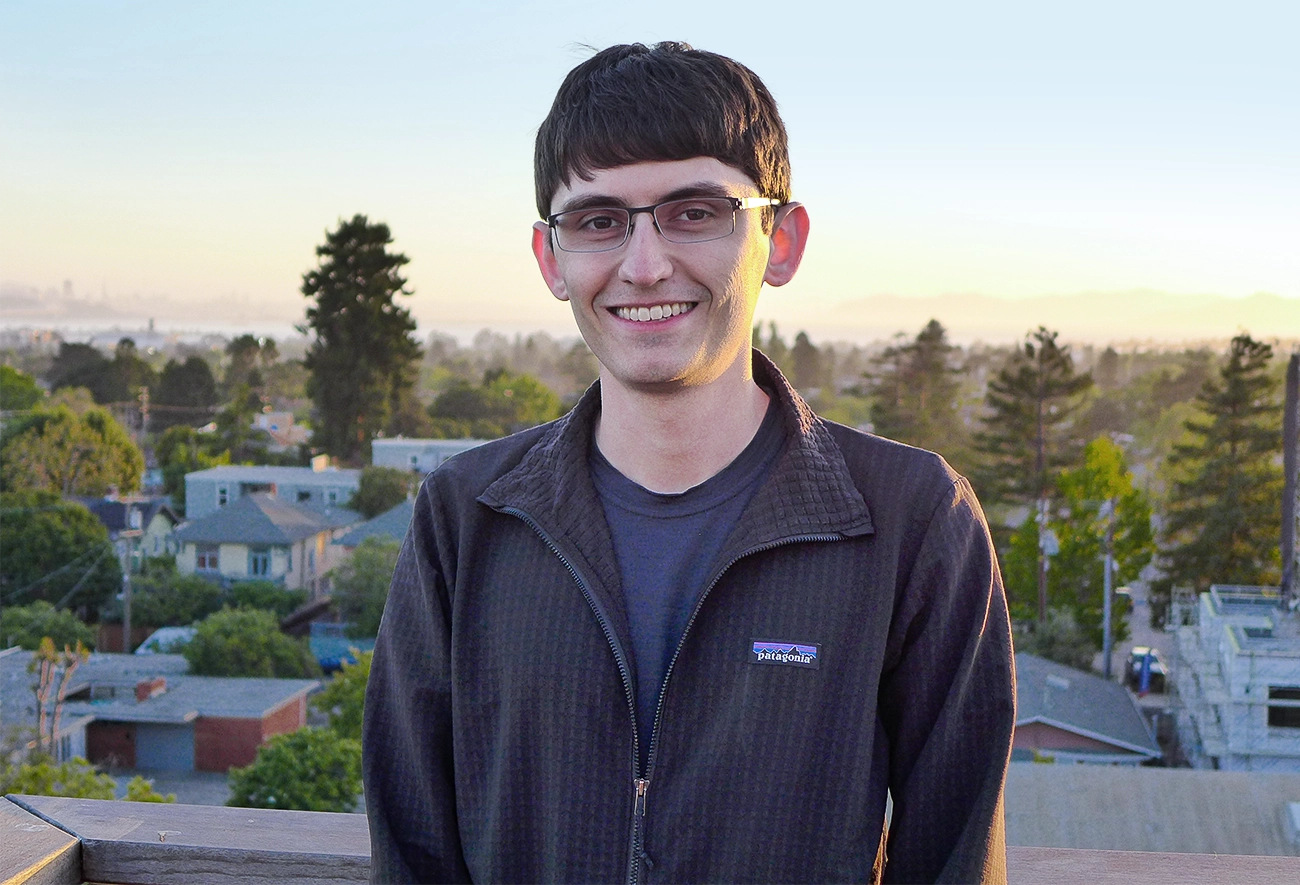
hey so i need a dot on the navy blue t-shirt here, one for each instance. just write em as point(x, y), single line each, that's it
point(667, 546)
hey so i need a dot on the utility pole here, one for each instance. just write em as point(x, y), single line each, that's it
point(1290, 444)
point(1107, 642)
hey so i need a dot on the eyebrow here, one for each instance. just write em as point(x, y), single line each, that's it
point(685, 192)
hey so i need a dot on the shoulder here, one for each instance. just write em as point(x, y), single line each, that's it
point(882, 465)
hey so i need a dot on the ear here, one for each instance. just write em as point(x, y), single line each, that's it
point(789, 237)
point(544, 252)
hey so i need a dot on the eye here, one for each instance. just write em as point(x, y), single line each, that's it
point(599, 221)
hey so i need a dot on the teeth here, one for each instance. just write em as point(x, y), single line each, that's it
point(647, 314)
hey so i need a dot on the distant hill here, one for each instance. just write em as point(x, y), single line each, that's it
point(1131, 316)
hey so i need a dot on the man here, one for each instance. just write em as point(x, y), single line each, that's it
point(690, 631)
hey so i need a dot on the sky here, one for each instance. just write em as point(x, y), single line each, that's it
point(186, 159)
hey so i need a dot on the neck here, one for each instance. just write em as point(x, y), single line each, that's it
point(671, 441)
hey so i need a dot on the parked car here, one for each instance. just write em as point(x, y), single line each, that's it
point(1133, 669)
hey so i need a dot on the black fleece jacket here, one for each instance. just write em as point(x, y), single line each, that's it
point(499, 736)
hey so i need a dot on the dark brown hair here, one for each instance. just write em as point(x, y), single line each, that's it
point(634, 103)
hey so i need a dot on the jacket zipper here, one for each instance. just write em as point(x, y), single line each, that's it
point(672, 663)
point(640, 785)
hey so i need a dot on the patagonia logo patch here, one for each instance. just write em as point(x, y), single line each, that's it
point(792, 654)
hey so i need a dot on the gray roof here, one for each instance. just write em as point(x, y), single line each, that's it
point(1126, 808)
point(287, 475)
point(392, 523)
point(188, 697)
point(1080, 702)
point(256, 519)
point(114, 513)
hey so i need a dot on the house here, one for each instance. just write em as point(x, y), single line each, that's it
point(147, 522)
point(1236, 677)
point(391, 524)
point(1072, 716)
point(417, 455)
point(259, 537)
point(207, 491)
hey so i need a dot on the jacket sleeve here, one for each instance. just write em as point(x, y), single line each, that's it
point(948, 703)
point(407, 738)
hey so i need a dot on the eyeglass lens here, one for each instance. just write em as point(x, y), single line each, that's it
point(680, 221)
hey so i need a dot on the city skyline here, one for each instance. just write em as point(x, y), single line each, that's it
point(195, 157)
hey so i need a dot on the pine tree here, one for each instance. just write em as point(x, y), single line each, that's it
point(916, 386)
point(1026, 437)
point(1223, 518)
point(362, 360)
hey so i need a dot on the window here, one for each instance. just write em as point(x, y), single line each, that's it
point(332, 496)
point(288, 558)
point(304, 496)
point(205, 558)
point(259, 561)
point(223, 496)
point(1288, 716)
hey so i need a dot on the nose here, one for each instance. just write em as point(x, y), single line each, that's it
point(644, 260)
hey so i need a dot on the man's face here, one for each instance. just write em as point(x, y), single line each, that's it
point(661, 315)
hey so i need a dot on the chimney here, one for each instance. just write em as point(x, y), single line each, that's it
point(150, 688)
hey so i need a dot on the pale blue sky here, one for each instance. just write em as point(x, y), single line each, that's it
point(198, 151)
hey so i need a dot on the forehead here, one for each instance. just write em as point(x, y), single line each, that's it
point(641, 184)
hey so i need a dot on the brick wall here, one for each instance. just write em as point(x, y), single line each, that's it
point(286, 718)
point(220, 744)
point(1040, 736)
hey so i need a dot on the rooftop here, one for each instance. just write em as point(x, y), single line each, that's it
point(1080, 702)
point(287, 475)
point(263, 519)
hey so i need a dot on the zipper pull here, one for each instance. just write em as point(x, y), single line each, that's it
point(642, 785)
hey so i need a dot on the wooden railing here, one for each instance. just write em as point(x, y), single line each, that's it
point(46, 840)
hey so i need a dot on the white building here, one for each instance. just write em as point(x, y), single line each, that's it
point(207, 491)
point(1237, 677)
point(418, 455)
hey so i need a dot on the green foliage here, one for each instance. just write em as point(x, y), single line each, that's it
point(1026, 441)
point(247, 642)
point(42, 776)
point(1059, 638)
point(363, 355)
point(380, 489)
point(1222, 519)
point(360, 585)
point(57, 450)
point(503, 404)
point(140, 790)
point(809, 367)
point(1075, 578)
point(916, 388)
point(168, 600)
point(26, 625)
point(54, 550)
point(81, 365)
point(250, 358)
point(311, 769)
point(267, 595)
point(18, 390)
point(181, 450)
point(186, 395)
point(343, 697)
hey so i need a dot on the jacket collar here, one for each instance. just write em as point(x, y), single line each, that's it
point(809, 492)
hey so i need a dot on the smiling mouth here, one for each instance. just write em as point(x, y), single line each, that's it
point(651, 314)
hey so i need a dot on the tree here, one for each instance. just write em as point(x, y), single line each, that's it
point(18, 390)
point(130, 372)
point(380, 489)
point(26, 625)
point(361, 585)
point(54, 550)
point(809, 367)
point(250, 357)
point(1025, 440)
point(42, 776)
point(81, 365)
point(247, 642)
point(168, 599)
point(504, 403)
point(54, 671)
point(1098, 501)
point(311, 769)
point(363, 354)
point(268, 596)
point(1058, 638)
point(915, 389)
point(57, 450)
point(343, 698)
point(181, 450)
point(138, 789)
point(1222, 519)
point(187, 394)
